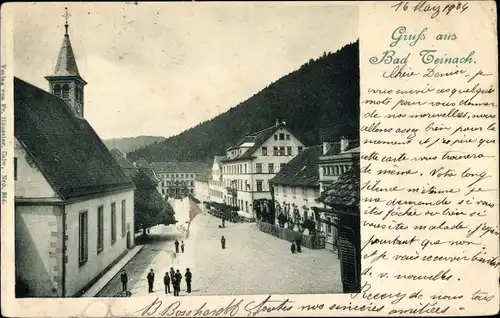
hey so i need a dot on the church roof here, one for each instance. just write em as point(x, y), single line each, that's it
point(66, 149)
point(66, 61)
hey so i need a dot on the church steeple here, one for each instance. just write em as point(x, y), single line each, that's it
point(66, 81)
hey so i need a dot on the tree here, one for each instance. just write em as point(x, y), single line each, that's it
point(150, 208)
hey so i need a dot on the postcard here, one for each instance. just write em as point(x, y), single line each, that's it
point(244, 159)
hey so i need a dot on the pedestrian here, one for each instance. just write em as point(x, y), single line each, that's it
point(223, 242)
point(151, 279)
point(175, 285)
point(292, 248)
point(178, 279)
point(124, 280)
point(223, 222)
point(172, 273)
point(297, 242)
point(182, 247)
point(188, 276)
point(176, 246)
point(166, 282)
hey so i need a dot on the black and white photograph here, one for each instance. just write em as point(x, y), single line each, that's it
point(186, 149)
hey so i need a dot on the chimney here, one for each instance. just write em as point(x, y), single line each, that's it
point(344, 143)
point(277, 122)
point(326, 147)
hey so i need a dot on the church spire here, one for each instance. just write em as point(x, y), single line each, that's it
point(66, 81)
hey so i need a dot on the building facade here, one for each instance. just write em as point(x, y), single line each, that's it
point(296, 187)
point(73, 204)
point(338, 158)
point(178, 178)
point(252, 162)
point(215, 189)
point(201, 185)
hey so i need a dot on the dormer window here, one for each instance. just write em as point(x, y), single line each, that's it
point(65, 91)
point(57, 90)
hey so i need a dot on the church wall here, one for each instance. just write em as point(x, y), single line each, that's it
point(30, 182)
point(38, 249)
point(77, 277)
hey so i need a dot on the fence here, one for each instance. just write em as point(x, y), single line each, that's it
point(309, 241)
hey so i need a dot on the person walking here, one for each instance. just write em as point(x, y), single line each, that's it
point(292, 248)
point(223, 242)
point(176, 246)
point(188, 277)
point(124, 280)
point(166, 282)
point(151, 279)
point(182, 247)
point(297, 242)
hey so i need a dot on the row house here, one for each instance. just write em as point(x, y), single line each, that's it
point(252, 162)
point(296, 187)
point(337, 159)
point(178, 178)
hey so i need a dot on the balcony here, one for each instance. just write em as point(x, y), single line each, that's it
point(232, 191)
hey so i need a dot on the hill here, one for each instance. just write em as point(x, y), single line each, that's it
point(129, 144)
point(319, 102)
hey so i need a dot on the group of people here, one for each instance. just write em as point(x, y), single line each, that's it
point(173, 278)
point(176, 243)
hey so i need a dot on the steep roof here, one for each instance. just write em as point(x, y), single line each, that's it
point(66, 149)
point(345, 191)
point(257, 138)
point(66, 61)
point(125, 164)
point(302, 170)
point(141, 177)
point(180, 167)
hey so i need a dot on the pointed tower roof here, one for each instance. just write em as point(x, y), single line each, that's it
point(66, 61)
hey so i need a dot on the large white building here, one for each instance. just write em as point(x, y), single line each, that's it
point(73, 203)
point(178, 178)
point(252, 162)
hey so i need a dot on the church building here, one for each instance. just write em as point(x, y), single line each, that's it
point(73, 203)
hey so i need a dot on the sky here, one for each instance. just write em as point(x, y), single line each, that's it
point(160, 68)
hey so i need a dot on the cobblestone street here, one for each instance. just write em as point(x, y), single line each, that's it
point(252, 263)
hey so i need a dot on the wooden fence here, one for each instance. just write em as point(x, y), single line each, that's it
point(309, 241)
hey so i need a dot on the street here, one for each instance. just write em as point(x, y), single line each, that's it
point(252, 263)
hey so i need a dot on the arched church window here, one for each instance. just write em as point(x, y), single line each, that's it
point(57, 90)
point(65, 91)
